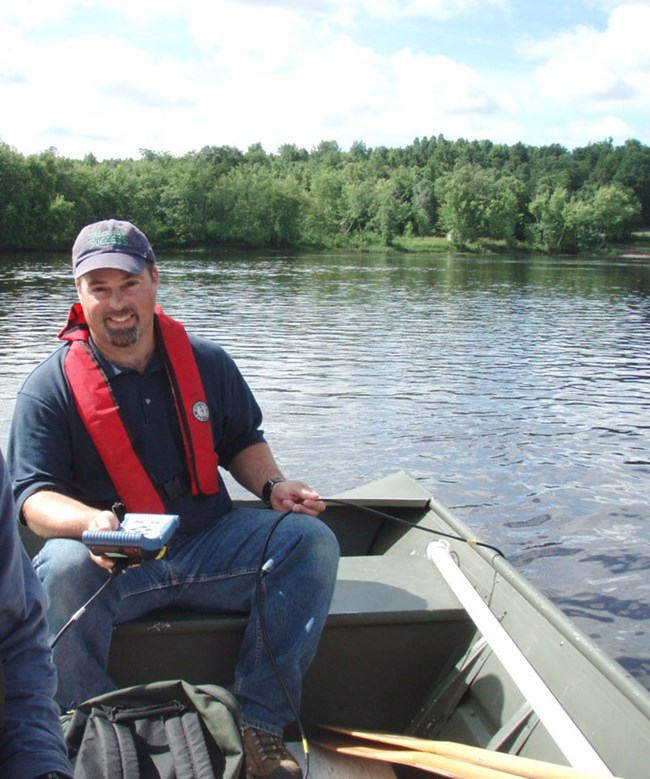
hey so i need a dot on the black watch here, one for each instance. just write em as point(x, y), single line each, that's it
point(267, 489)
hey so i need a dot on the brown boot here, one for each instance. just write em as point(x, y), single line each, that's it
point(267, 757)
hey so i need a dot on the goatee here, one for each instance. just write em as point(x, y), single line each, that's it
point(122, 336)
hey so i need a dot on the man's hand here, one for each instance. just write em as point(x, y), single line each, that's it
point(255, 465)
point(296, 496)
point(103, 520)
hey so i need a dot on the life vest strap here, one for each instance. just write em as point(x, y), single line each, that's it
point(100, 414)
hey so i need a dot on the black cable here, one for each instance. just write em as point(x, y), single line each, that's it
point(412, 525)
point(117, 568)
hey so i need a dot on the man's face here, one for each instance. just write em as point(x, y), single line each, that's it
point(118, 306)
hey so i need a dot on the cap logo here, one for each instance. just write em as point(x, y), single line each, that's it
point(113, 237)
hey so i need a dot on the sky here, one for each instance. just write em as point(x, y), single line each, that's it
point(114, 77)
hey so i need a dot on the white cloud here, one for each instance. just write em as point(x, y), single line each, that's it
point(598, 68)
point(32, 14)
point(177, 75)
point(581, 133)
point(405, 9)
point(443, 9)
point(211, 21)
point(259, 76)
point(235, 32)
point(100, 94)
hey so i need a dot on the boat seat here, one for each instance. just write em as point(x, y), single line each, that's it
point(387, 610)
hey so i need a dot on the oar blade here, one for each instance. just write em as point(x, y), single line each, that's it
point(450, 768)
point(487, 758)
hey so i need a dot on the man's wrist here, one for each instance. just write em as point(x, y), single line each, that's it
point(267, 489)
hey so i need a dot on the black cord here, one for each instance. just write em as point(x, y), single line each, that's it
point(412, 525)
point(117, 568)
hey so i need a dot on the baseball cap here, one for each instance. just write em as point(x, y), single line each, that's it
point(111, 244)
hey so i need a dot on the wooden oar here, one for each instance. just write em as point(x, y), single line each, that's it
point(501, 761)
point(449, 767)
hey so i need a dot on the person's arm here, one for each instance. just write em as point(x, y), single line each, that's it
point(52, 515)
point(255, 465)
point(31, 742)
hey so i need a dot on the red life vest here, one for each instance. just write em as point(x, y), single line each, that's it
point(100, 413)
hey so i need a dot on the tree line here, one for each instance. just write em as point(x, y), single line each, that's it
point(549, 198)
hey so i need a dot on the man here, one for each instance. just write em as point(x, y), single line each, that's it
point(31, 741)
point(132, 409)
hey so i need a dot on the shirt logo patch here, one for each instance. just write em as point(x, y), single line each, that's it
point(201, 411)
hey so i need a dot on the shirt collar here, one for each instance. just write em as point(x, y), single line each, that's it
point(112, 370)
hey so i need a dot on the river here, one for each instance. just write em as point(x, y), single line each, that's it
point(517, 390)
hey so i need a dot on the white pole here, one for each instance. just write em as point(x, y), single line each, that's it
point(569, 738)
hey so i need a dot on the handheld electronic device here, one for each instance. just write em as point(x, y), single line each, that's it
point(140, 537)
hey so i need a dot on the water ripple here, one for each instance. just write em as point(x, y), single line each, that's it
point(516, 390)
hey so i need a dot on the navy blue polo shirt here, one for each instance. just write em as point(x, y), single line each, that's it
point(50, 448)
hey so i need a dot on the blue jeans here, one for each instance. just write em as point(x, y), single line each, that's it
point(213, 571)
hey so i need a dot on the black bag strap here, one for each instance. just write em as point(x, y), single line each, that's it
point(184, 735)
point(118, 748)
point(188, 746)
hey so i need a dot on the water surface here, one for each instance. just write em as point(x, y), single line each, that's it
point(516, 390)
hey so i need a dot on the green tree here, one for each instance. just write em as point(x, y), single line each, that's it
point(359, 151)
point(633, 172)
point(567, 201)
point(475, 202)
point(548, 231)
point(389, 210)
point(423, 207)
point(582, 222)
point(323, 218)
point(262, 210)
point(256, 154)
point(359, 207)
point(616, 211)
point(607, 214)
point(14, 198)
point(329, 154)
point(289, 152)
point(505, 214)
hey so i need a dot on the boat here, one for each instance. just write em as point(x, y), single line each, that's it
point(433, 638)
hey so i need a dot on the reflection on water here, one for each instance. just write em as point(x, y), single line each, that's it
point(516, 390)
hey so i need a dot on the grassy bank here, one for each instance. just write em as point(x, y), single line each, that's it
point(637, 246)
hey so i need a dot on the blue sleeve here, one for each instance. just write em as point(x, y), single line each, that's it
point(32, 740)
point(49, 448)
point(39, 454)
